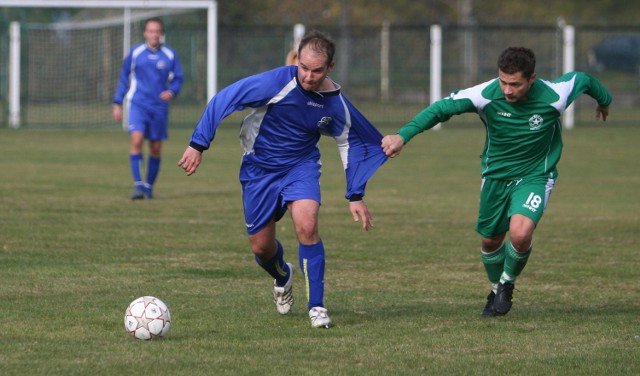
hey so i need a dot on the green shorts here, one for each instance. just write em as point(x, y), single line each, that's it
point(500, 199)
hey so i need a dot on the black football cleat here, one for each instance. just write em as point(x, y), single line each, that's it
point(503, 300)
point(488, 308)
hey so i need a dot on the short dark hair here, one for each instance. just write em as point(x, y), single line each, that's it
point(154, 19)
point(319, 43)
point(517, 59)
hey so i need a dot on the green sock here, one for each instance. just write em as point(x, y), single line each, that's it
point(494, 263)
point(514, 263)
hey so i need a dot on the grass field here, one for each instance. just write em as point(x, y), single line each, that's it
point(405, 297)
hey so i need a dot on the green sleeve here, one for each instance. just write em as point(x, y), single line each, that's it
point(436, 113)
point(587, 84)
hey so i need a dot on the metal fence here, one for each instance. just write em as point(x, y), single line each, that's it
point(468, 56)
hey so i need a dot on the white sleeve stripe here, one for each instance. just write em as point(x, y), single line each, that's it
point(343, 140)
point(283, 93)
point(167, 52)
point(474, 94)
point(563, 89)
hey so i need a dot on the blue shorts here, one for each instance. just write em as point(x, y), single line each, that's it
point(153, 123)
point(265, 193)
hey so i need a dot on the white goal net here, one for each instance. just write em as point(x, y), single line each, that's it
point(69, 69)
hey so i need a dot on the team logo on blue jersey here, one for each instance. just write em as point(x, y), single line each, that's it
point(324, 121)
point(161, 64)
point(535, 122)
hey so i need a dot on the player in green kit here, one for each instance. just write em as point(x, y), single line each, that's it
point(521, 114)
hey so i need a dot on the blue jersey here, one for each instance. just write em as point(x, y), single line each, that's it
point(286, 124)
point(147, 73)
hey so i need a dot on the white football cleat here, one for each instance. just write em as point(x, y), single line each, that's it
point(283, 296)
point(320, 318)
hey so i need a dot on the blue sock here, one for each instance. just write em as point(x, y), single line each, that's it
point(152, 170)
point(136, 161)
point(276, 267)
point(312, 266)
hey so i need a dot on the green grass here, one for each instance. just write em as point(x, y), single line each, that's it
point(405, 297)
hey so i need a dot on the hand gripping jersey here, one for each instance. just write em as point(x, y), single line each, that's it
point(286, 124)
point(523, 138)
point(146, 73)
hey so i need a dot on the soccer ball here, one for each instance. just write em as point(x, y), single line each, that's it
point(147, 317)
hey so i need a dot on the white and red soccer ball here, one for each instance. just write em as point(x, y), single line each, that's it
point(147, 317)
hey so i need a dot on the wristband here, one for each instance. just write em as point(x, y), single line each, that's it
point(355, 198)
point(197, 147)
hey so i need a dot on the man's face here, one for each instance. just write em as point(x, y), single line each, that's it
point(152, 34)
point(515, 86)
point(312, 69)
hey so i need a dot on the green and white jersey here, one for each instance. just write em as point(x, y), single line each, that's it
point(523, 138)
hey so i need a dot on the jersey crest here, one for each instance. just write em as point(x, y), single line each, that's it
point(535, 122)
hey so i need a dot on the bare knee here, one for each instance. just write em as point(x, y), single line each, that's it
point(521, 242)
point(521, 232)
point(304, 214)
point(137, 140)
point(263, 244)
point(263, 251)
point(307, 232)
point(491, 244)
point(155, 149)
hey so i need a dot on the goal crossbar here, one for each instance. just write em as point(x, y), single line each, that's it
point(198, 4)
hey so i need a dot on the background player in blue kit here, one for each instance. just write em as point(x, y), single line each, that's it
point(280, 171)
point(151, 77)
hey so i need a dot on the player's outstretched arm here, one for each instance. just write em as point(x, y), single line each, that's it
point(392, 145)
point(602, 112)
point(190, 160)
point(359, 211)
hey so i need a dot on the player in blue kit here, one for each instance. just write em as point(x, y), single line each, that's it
point(151, 77)
point(280, 171)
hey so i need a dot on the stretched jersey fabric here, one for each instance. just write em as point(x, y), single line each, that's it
point(286, 124)
point(147, 73)
point(523, 138)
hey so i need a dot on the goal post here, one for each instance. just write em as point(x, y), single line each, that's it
point(32, 81)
